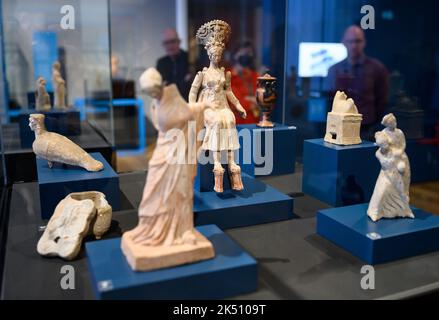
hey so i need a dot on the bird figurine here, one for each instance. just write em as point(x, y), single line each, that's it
point(54, 147)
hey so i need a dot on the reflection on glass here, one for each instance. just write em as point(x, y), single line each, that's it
point(34, 39)
point(393, 68)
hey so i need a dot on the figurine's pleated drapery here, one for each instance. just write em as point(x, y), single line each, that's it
point(386, 200)
point(166, 210)
point(220, 122)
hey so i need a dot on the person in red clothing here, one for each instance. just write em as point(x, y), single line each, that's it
point(244, 81)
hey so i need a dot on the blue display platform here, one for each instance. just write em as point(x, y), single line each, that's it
point(277, 158)
point(339, 175)
point(258, 203)
point(379, 242)
point(66, 123)
point(232, 272)
point(56, 183)
point(424, 160)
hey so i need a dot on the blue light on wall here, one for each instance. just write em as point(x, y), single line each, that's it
point(45, 53)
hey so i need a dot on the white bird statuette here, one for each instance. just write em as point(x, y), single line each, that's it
point(54, 147)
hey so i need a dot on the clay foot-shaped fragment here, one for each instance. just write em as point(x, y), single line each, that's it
point(75, 217)
point(102, 222)
point(66, 229)
point(219, 180)
point(235, 178)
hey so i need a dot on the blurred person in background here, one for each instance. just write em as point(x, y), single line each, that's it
point(362, 78)
point(174, 67)
point(116, 72)
point(244, 81)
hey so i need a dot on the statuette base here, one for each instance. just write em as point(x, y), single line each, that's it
point(147, 258)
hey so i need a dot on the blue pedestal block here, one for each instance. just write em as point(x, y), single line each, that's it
point(66, 123)
point(378, 242)
point(232, 272)
point(258, 203)
point(424, 161)
point(267, 152)
point(56, 183)
point(339, 175)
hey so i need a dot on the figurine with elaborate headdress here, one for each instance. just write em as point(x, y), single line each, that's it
point(213, 85)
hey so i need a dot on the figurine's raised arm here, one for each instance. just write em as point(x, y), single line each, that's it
point(195, 89)
point(231, 96)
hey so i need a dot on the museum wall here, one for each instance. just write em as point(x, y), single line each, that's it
point(136, 35)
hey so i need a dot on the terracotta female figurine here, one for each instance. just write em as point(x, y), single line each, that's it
point(390, 198)
point(165, 235)
point(42, 98)
point(60, 87)
point(214, 85)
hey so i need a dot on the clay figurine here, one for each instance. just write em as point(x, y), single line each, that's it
point(344, 122)
point(165, 235)
point(42, 98)
point(60, 87)
point(75, 217)
point(54, 147)
point(213, 85)
point(390, 198)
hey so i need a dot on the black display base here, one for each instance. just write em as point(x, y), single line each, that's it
point(20, 163)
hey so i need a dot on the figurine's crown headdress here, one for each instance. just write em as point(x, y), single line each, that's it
point(214, 32)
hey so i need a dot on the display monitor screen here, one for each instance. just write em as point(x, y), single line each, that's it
point(315, 58)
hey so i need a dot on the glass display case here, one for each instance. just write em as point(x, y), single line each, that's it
point(402, 65)
point(35, 36)
point(137, 42)
point(302, 218)
point(400, 41)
